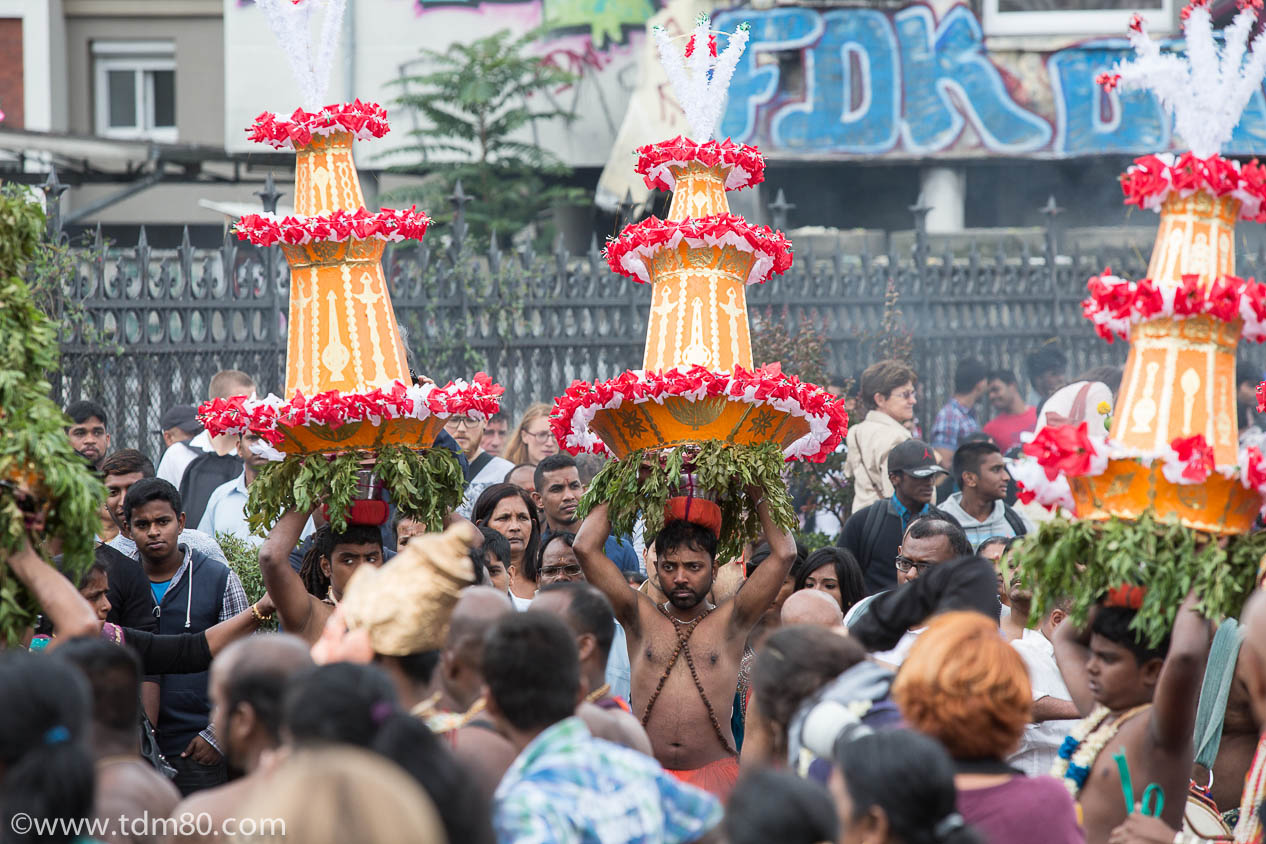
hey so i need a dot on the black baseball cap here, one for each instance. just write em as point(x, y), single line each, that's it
point(916, 458)
point(182, 416)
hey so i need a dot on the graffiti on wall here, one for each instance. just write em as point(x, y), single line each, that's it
point(858, 81)
point(604, 21)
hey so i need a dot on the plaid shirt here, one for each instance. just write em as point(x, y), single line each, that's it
point(568, 787)
point(953, 422)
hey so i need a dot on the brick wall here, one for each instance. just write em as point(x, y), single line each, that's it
point(11, 71)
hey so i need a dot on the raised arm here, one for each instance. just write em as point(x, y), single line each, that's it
point(221, 635)
point(1177, 690)
point(70, 613)
point(590, 546)
point(757, 594)
point(284, 586)
point(1072, 649)
point(189, 653)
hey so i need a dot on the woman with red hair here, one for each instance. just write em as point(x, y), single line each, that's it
point(963, 685)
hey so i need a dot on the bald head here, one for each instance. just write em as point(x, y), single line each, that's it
point(273, 653)
point(810, 606)
point(477, 609)
point(248, 679)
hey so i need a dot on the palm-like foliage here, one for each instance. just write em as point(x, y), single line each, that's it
point(479, 105)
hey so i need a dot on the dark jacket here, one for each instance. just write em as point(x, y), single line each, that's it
point(874, 534)
point(131, 601)
point(203, 475)
point(184, 705)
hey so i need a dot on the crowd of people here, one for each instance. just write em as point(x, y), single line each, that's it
point(897, 685)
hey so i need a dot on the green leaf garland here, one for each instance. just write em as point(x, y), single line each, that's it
point(1084, 559)
point(426, 485)
point(34, 451)
point(724, 469)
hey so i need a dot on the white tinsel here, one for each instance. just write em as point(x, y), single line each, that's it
point(291, 23)
point(1207, 89)
point(700, 81)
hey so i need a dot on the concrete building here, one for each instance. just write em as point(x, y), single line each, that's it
point(983, 111)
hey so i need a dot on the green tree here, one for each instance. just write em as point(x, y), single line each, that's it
point(476, 103)
point(804, 353)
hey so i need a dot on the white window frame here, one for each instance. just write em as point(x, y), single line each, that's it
point(140, 57)
point(1085, 23)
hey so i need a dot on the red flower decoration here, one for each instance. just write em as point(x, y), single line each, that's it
point(1062, 448)
point(1149, 181)
point(1108, 81)
point(765, 385)
point(387, 224)
point(1197, 454)
point(747, 165)
point(364, 120)
point(1223, 299)
point(1255, 471)
point(1146, 178)
point(652, 234)
point(238, 414)
point(1115, 304)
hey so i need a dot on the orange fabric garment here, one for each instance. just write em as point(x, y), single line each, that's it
point(717, 778)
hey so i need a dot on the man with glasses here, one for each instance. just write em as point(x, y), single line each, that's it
point(929, 541)
point(874, 533)
point(483, 469)
point(559, 565)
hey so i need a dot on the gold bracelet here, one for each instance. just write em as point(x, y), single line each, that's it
point(262, 619)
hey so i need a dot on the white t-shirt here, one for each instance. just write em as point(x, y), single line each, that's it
point(493, 472)
point(176, 459)
point(1040, 743)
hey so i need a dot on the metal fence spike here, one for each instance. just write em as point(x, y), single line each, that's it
point(269, 196)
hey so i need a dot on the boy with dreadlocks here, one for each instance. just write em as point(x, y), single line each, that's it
point(306, 600)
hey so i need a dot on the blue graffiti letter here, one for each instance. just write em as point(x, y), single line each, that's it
point(754, 86)
point(937, 59)
point(1249, 137)
point(1091, 120)
point(841, 113)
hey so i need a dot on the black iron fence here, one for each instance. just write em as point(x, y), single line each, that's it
point(535, 321)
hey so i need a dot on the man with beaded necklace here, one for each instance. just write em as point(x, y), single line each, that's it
point(1133, 697)
point(685, 653)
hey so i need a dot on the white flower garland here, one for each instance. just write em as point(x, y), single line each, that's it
point(1083, 745)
